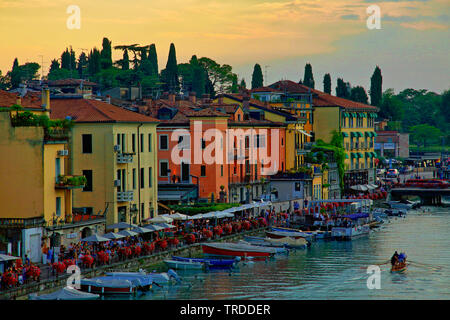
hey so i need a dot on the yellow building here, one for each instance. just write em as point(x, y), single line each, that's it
point(295, 99)
point(296, 136)
point(36, 186)
point(115, 149)
point(355, 121)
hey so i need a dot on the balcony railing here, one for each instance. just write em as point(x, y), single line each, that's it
point(124, 158)
point(56, 135)
point(125, 196)
point(70, 182)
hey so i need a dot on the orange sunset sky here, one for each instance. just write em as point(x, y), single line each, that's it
point(411, 48)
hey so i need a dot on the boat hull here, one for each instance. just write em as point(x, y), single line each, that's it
point(184, 265)
point(235, 252)
point(341, 233)
point(398, 268)
point(211, 263)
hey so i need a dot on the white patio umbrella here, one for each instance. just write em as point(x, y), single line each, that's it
point(5, 257)
point(127, 233)
point(142, 230)
point(197, 216)
point(95, 238)
point(211, 214)
point(121, 225)
point(166, 225)
point(179, 216)
point(153, 227)
point(160, 219)
point(113, 236)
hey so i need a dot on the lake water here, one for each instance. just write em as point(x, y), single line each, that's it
point(338, 270)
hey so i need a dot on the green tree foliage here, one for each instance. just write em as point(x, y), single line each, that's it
point(243, 85)
point(391, 106)
point(169, 75)
point(153, 58)
point(68, 61)
point(257, 77)
point(358, 94)
point(82, 65)
point(219, 78)
point(327, 83)
point(423, 133)
point(198, 76)
point(106, 54)
point(376, 87)
point(343, 89)
point(308, 78)
point(94, 62)
point(15, 74)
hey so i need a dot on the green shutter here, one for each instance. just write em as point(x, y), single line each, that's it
point(346, 156)
point(374, 134)
point(345, 134)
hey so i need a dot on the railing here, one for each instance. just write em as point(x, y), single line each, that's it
point(125, 196)
point(70, 182)
point(124, 158)
point(56, 135)
point(21, 223)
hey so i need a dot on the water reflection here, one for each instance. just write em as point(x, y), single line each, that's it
point(337, 270)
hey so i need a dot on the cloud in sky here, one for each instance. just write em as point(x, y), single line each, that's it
point(237, 32)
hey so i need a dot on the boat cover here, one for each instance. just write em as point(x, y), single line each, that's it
point(66, 293)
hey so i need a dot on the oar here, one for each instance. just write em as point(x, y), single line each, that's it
point(379, 264)
point(426, 265)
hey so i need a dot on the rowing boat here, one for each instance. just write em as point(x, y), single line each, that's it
point(399, 267)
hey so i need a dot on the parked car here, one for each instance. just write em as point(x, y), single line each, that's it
point(392, 173)
point(381, 171)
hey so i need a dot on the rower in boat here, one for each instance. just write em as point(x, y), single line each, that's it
point(399, 264)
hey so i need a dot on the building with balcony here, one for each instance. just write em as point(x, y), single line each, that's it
point(115, 149)
point(36, 180)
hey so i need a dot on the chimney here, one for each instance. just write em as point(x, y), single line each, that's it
point(45, 98)
point(108, 99)
point(192, 97)
point(245, 102)
point(172, 97)
point(220, 99)
point(205, 98)
point(19, 100)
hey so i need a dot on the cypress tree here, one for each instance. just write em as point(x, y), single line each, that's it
point(308, 79)
point(16, 76)
point(94, 62)
point(376, 87)
point(125, 61)
point(257, 77)
point(327, 83)
point(153, 58)
point(73, 60)
point(198, 77)
point(82, 65)
point(106, 54)
point(170, 78)
point(243, 85)
point(66, 60)
point(343, 89)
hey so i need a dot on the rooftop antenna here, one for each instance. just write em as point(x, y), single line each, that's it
point(265, 74)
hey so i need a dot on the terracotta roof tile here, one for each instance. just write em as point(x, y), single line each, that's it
point(85, 110)
point(8, 99)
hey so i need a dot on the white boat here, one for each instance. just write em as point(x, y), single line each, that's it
point(403, 204)
point(299, 243)
point(66, 293)
point(185, 265)
point(158, 278)
point(348, 233)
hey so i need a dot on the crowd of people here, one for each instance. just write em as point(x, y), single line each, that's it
point(91, 254)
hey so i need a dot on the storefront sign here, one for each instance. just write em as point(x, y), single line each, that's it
point(389, 146)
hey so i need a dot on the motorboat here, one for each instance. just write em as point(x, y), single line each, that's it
point(403, 204)
point(185, 265)
point(349, 233)
point(238, 250)
point(211, 263)
point(286, 242)
point(66, 293)
point(158, 278)
point(108, 285)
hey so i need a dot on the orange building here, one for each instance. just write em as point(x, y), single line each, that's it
point(205, 150)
